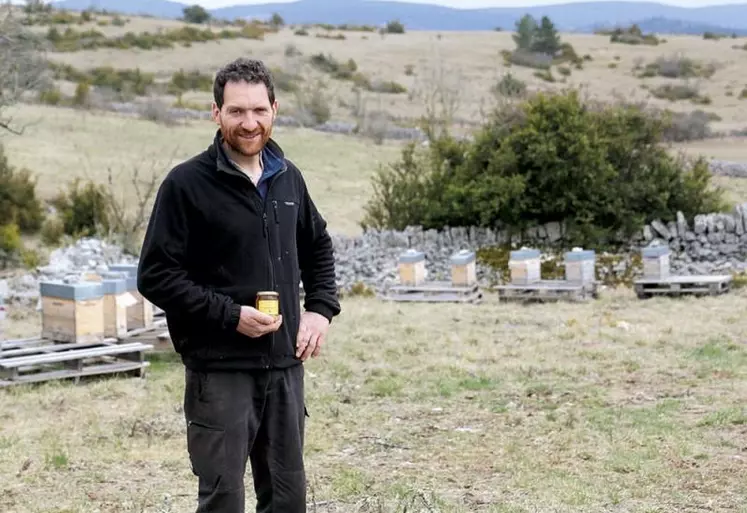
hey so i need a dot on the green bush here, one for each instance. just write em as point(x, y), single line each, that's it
point(84, 212)
point(19, 204)
point(11, 244)
point(599, 170)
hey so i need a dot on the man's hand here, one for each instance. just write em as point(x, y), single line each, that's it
point(254, 323)
point(311, 334)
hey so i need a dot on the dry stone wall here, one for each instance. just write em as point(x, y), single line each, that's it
point(713, 243)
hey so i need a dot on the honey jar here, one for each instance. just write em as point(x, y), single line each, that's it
point(268, 302)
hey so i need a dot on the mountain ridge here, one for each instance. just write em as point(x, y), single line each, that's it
point(567, 17)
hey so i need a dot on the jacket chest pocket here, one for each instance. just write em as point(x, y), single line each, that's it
point(285, 211)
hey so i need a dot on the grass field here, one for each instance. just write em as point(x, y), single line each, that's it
point(617, 405)
point(60, 144)
point(470, 62)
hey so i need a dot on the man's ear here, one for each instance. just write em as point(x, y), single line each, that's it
point(215, 113)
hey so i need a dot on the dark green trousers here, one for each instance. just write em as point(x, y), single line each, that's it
point(255, 416)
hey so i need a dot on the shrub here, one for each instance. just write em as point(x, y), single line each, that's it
point(632, 36)
point(678, 66)
point(599, 170)
point(19, 204)
point(394, 27)
point(510, 86)
point(11, 244)
point(84, 212)
point(674, 92)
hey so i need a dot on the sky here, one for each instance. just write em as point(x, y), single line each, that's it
point(467, 4)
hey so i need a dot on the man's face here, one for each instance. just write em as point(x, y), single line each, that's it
point(246, 117)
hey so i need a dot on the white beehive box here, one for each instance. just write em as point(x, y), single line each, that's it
point(524, 265)
point(655, 262)
point(72, 312)
point(412, 267)
point(463, 268)
point(580, 266)
point(140, 313)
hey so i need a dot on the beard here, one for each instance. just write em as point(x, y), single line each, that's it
point(248, 144)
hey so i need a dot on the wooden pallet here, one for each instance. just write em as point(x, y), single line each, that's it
point(434, 292)
point(75, 360)
point(698, 285)
point(548, 290)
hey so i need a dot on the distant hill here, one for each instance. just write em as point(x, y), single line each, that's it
point(570, 17)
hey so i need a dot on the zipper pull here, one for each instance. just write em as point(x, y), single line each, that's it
point(275, 209)
point(264, 225)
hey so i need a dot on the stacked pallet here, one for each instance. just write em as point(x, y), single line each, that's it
point(414, 285)
point(526, 283)
point(657, 279)
point(85, 330)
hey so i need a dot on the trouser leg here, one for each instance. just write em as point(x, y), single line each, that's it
point(222, 418)
point(277, 453)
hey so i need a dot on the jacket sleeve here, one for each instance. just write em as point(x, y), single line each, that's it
point(316, 259)
point(163, 277)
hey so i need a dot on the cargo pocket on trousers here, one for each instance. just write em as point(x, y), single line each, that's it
point(207, 452)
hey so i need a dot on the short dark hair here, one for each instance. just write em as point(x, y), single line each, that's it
point(252, 71)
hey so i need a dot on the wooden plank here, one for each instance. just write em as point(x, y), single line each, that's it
point(106, 350)
point(90, 370)
point(683, 285)
point(434, 298)
point(433, 287)
point(548, 290)
point(43, 349)
point(20, 342)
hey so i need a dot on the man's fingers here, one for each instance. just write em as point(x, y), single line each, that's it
point(318, 347)
point(310, 347)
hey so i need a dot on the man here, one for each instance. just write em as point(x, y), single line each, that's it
point(232, 221)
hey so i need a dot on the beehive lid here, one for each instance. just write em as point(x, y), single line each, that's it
point(79, 291)
point(411, 256)
point(654, 251)
point(114, 285)
point(463, 257)
point(577, 255)
point(525, 254)
point(130, 269)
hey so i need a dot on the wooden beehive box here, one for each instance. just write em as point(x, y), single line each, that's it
point(116, 301)
point(412, 268)
point(580, 266)
point(139, 313)
point(72, 312)
point(655, 262)
point(463, 268)
point(524, 265)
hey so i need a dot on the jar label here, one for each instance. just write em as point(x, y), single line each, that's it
point(268, 306)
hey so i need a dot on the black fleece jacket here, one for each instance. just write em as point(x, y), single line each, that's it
point(214, 240)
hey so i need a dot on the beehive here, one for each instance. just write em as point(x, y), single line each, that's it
point(412, 267)
point(116, 301)
point(580, 266)
point(72, 312)
point(655, 262)
point(524, 265)
point(463, 268)
point(139, 313)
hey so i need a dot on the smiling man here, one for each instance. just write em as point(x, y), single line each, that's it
point(230, 222)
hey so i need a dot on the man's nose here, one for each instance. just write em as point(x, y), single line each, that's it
point(249, 122)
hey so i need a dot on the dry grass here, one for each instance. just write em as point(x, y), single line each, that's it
point(60, 144)
point(472, 58)
point(615, 405)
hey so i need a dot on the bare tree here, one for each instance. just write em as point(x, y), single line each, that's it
point(22, 64)
point(439, 89)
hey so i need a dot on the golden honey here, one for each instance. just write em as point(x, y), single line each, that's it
point(268, 302)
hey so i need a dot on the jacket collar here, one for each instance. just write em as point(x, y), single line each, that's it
point(272, 157)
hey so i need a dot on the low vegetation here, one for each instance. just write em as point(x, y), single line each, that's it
point(631, 35)
point(72, 40)
point(348, 71)
point(598, 170)
point(676, 66)
point(538, 45)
